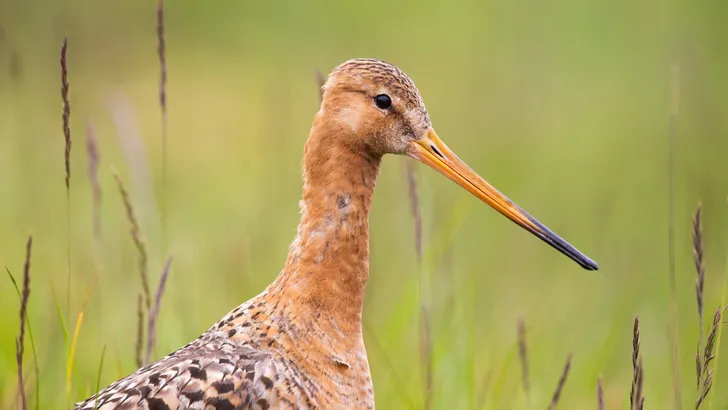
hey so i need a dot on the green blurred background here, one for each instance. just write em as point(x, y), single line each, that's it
point(562, 105)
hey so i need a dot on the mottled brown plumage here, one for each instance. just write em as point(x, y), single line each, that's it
point(299, 344)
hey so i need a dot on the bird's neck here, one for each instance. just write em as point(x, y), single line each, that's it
point(328, 262)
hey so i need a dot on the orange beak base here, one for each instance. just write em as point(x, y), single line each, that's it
point(432, 151)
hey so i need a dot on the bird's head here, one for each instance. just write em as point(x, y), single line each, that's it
point(376, 108)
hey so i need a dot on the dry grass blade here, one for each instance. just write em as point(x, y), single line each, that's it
point(600, 394)
point(523, 354)
point(162, 55)
point(708, 357)
point(92, 150)
point(699, 266)
point(140, 332)
point(425, 334)
point(15, 67)
point(36, 369)
point(20, 341)
point(15, 64)
point(66, 110)
point(320, 80)
point(635, 395)
point(699, 285)
point(415, 208)
point(719, 336)
point(698, 364)
point(136, 235)
point(635, 341)
point(66, 118)
point(562, 382)
point(639, 396)
point(151, 330)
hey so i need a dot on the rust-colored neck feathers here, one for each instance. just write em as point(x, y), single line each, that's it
point(328, 262)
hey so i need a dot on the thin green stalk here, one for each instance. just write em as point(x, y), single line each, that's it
point(32, 344)
point(671, 236)
point(471, 342)
point(71, 352)
point(60, 315)
point(71, 355)
point(98, 377)
point(501, 380)
point(435, 251)
point(401, 389)
point(68, 260)
point(62, 321)
point(424, 291)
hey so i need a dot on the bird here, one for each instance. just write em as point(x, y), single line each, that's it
point(298, 344)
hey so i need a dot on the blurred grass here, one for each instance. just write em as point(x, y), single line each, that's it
point(562, 105)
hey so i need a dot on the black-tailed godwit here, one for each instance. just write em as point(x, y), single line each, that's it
point(298, 344)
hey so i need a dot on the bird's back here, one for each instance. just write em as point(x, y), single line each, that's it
point(214, 374)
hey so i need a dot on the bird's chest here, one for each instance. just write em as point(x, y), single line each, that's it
point(318, 361)
point(340, 387)
point(334, 377)
point(333, 381)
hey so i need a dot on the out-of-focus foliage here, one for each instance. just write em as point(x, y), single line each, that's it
point(563, 105)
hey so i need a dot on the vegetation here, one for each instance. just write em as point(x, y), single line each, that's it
point(197, 115)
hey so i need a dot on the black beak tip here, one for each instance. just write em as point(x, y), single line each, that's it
point(589, 264)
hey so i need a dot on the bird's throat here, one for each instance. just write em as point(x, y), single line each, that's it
point(328, 262)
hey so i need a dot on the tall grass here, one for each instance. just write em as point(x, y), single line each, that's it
point(703, 360)
point(137, 238)
point(562, 383)
point(36, 368)
point(393, 371)
point(706, 374)
point(92, 151)
point(71, 354)
point(144, 304)
point(138, 346)
point(719, 335)
point(152, 324)
point(98, 377)
point(162, 55)
point(20, 341)
point(425, 333)
point(320, 80)
point(66, 119)
point(699, 286)
point(523, 356)
point(600, 394)
point(636, 399)
point(706, 353)
point(672, 131)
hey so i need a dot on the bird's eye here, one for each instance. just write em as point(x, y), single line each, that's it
point(383, 101)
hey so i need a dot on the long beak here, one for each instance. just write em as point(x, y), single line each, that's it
point(432, 151)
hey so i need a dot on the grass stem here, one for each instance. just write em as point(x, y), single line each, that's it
point(671, 236)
